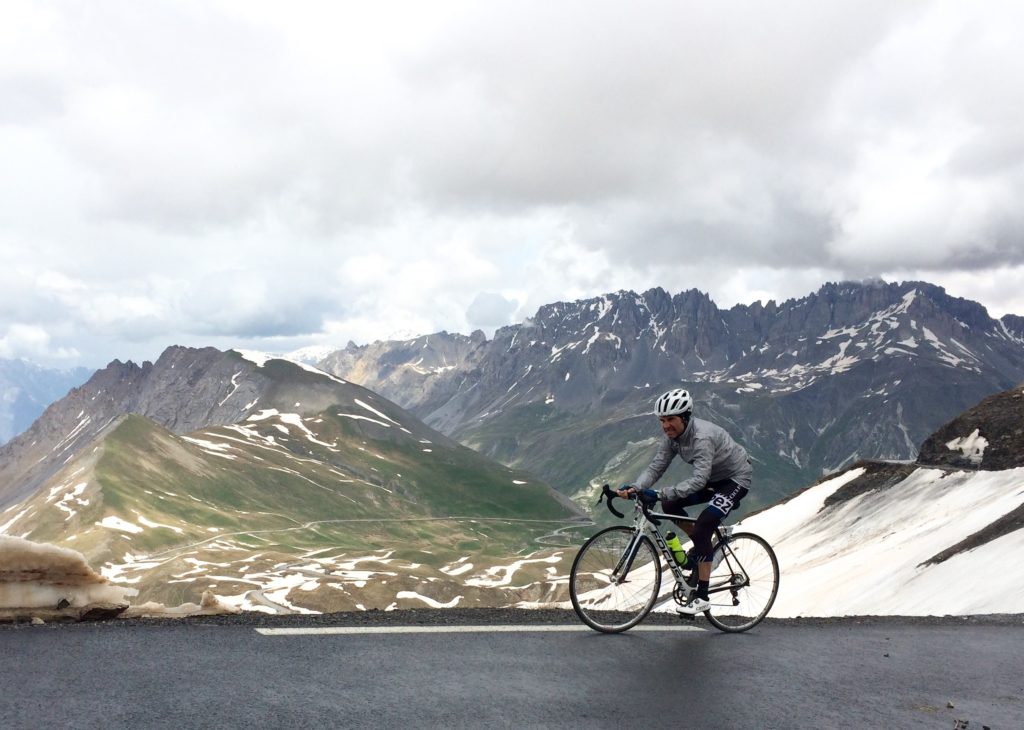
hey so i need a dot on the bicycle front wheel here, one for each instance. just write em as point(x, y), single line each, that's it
point(609, 592)
point(744, 583)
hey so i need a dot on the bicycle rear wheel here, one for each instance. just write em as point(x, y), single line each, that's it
point(607, 594)
point(743, 583)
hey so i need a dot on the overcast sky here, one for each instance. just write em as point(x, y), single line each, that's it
point(278, 174)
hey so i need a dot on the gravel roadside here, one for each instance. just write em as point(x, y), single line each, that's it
point(502, 616)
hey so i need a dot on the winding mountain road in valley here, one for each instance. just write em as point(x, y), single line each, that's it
point(485, 668)
point(571, 524)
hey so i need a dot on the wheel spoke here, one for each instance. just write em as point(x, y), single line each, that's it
point(614, 604)
point(744, 584)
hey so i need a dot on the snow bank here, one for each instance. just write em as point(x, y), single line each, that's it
point(37, 575)
point(871, 555)
point(209, 605)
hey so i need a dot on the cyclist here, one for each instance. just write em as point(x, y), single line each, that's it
point(721, 478)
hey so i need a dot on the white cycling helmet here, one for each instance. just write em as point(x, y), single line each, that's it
point(674, 403)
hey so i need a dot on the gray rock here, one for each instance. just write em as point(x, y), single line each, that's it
point(101, 611)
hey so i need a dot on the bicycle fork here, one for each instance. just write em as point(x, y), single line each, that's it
point(625, 563)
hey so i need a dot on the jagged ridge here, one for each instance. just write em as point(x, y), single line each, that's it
point(853, 371)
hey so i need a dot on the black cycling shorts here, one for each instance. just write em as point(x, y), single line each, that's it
point(721, 497)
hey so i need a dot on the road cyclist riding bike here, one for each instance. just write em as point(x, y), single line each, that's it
point(616, 576)
point(721, 478)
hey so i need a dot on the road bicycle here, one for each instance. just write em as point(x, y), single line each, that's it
point(616, 577)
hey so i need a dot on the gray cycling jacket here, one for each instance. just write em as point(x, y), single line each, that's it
point(712, 452)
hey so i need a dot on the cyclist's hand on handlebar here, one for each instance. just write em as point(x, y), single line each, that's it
point(647, 496)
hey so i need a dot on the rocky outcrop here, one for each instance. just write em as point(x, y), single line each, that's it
point(988, 436)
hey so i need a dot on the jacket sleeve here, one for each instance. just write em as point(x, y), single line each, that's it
point(703, 457)
point(658, 466)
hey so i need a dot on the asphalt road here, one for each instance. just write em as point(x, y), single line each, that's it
point(199, 674)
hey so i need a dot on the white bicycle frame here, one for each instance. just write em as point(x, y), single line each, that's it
point(645, 524)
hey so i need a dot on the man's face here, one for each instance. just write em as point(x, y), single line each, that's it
point(673, 426)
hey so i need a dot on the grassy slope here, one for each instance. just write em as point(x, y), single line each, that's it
point(279, 500)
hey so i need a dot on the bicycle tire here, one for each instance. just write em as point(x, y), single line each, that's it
point(613, 606)
point(748, 563)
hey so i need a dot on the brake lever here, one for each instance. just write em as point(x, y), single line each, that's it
point(606, 491)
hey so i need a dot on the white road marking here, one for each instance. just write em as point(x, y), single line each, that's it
point(456, 629)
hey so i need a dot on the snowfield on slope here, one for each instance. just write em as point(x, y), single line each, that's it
point(869, 555)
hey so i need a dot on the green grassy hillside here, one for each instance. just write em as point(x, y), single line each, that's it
point(279, 502)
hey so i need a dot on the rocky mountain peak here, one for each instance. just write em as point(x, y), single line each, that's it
point(185, 390)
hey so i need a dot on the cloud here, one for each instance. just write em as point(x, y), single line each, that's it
point(251, 305)
point(490, 310)
point(208, 173)
point(29, 341)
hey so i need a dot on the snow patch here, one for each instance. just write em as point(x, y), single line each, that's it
point(149, 523)
point(116, 523)
point(429, 601)
point(358, 417)
point(262, 358)
point(501, 575)
point(972, 447)
point(4, 527)
point(375, 412)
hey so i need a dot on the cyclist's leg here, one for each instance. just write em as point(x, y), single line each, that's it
point(726, 497)
point(678, 507)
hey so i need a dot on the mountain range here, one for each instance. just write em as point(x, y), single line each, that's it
point(879, 538)
point(282, 487)
point(852, 371)
point(255, 476)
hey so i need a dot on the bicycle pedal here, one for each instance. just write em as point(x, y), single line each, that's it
point(686, 616)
